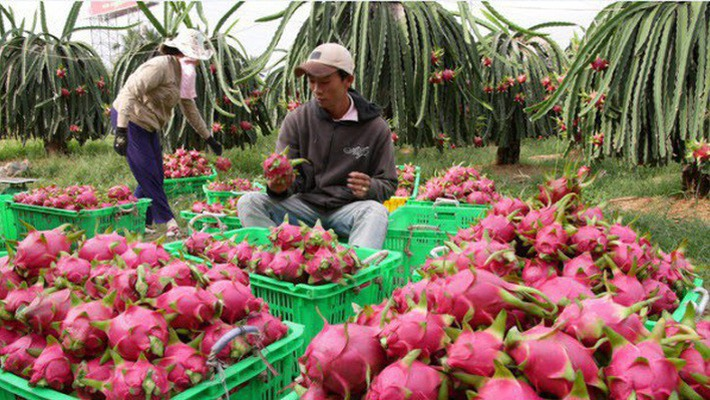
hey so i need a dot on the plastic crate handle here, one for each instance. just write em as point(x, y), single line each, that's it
point(703, 303)
point(442, 201)
point(377, 257)
point(417, 227)
point(220, 225)
point(438, 251)
point(132, 208)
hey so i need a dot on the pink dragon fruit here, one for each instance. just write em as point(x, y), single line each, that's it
point(198, 242)
point(507, 206)
point(277, 166)
point(88, 373)
point(188, 307)
point(672, 267)
point(38, 250)
point(243, 253)
point(18, 297)
point(559, 288)
point(341, 358)
point(586, 318)
point(325, 266)
point(503, 385)
point(234, 297)
point(8, 277)
point(286, 236)
point(551, 239)
point(8, 336)
point(132, 285)
point(21, 354)
point(498, 228)
point(53, 368)
point(640, 370)
point(492, 256)
point(148, 253)
point(221, 251)
point(137, 331)
point(178, 273)
point(270, 328)
point(629, 256)
point(549, 357)
point(375, 316)
point(223, 164)
point(535, 220)
point(316, 237)
point(408, 378)
point(72, 269)
point(555, 190)
point(587, 215)
point(119, 192)
point(316, 393)
point(537, 270)
point(79, 337)
point(187, 366)
point(228, 272)
point(261, 262)
point(103, 247)
point(99, 280)
point(138, 381)
point(48, 307)
point(288, 265)
point(474, 353)
point(697, 367)
point(627, 290)
point(417, 329)
point(235, 350)
point(408, 294)
point(623, 233)
point(668, 300)
point(589, 238)
point(583, 269)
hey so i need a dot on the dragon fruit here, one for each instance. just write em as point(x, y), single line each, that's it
point(21, 354)
point(507, 206)
point(288, 265)
point(497, 227)
point(99, 280)
point(325, 266)
point(623, 233)
point(549, 359)
point(589, 238)
point(590, 214)
point(103, 247)
point(668, 299)
point(585, 319)
point(417, 329)
point(583, 269)
point(198, 242)
point(138, 381)
point(503, 385)
point(9, 279)
point(373, 315)
point(672, 267)
point(179, 273)
point(341, 358)
point(79, 337)
point(243, 253)
point(277, 167)
point(286, 236)
point(132, 285)
point(188, 307)
point(640, 370)
point(551, 239)
point(261, 262)
point(475, 352)
point(234, 296)
point(148, 253)
point(91, 372)
point(228, 272)
point(48, 307)
point(559, 288)
point(270, 328)
point(629, 256)
point(137, 331)
point(316, 237)
point(316, 393)
point(410, 292)
point(221, 251)
point(235, 350)
point(223, 164)
point(626, 289)
point(72, 269)
point(697, 367)
point(8, 336)
point(408, 378)
point(18, 298)
point(53, 368)
point(187, 366)
point(38, 250)
point(536, 270)
point(555, 190)
point(535, 220)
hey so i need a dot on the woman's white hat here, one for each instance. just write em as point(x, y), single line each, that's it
point(191, 43)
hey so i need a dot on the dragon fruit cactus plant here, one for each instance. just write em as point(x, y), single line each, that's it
point(278, 168)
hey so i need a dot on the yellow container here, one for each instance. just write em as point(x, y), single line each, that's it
point(395, 202)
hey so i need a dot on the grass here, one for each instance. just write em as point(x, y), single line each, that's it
point(95, 163)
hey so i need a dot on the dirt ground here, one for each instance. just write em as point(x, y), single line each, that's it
point(676, 208)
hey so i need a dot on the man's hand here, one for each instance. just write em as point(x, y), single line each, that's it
point(280, 185)
point(359, 184)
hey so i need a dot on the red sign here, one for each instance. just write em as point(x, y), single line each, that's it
point(108, 7)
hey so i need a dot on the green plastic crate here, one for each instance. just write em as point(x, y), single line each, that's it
point(7, 219)
point(130, 217)
point(219, 197)
point(688, 297)
point(250, 375)
point(212, 226)
point(193, 185)
point(303, 303)
point(395, 202)
point(418, 227)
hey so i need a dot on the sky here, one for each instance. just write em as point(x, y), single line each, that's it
point(255, 37)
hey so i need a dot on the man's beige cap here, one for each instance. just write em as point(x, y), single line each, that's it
point(325, 60)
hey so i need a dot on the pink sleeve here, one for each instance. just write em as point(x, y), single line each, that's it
point(188, 80)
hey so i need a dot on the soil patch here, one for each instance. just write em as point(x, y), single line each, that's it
point(676, 208)
point(545, 157)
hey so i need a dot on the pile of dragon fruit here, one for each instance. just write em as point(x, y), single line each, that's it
point(464, 184)
point(406, 177)
point(185, 164)
point(230, 208)
point(113, 318)
point(76, 198)
point(294, 254)
point(541, 299)
point(233, 185)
